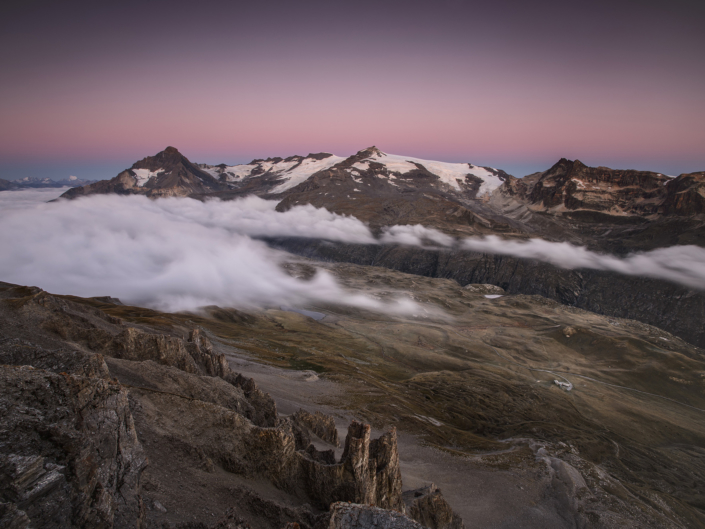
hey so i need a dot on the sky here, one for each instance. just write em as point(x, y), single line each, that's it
point(88, 88)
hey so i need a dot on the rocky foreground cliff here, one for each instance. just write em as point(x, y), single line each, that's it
point(101, 419)
point(525, 412)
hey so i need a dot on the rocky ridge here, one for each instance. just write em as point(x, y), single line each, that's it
point(166, 174)
point(88, 400)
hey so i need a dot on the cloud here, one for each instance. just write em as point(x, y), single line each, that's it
point(171, 254)
point(181, 253)
point(681, 264)
point(257, 217)
point(415, 235)
point(24, 198)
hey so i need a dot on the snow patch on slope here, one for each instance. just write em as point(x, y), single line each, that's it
point(143, 175)
point(303, 171)
point(448, 173)
point(293, 172)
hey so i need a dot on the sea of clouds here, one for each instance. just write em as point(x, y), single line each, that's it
point(181, 253)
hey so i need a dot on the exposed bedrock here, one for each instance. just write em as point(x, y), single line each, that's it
point(69, 453)
point(663, 304)
point(368, 471)
point(109, 336)
point(76, 409)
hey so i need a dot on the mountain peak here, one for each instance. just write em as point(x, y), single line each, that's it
point(165, 159)
point(370, 151)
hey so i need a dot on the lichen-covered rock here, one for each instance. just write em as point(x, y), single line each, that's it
point(428, 507)
point(69, 450)
point(355, 516)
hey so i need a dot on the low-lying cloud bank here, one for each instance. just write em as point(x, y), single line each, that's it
point(180, 253)
point(172, 254)
point(25, 198)
point(680, 264)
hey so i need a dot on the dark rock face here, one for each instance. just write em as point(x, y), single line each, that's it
point(685, 195)
point(671, 307)
point(428, 507)
point(70, 453)
point(574, 185)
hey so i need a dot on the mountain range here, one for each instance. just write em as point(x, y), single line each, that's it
point(602, 208)
point(610, 211)
point(32, 182)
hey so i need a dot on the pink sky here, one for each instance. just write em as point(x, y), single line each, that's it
point(624, 89)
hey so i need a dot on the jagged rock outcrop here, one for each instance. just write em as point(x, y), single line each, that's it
point(368, 471)
point(428, 507)
point(71, 416)
point(321, 425)
point(355, 516)
point(201, 350)
point(69, 450)
point(109, 336)
point(136, 345)
point(265, 413)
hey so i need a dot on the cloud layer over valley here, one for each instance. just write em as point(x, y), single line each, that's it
point(180, 253)
point(172, 254)
point(681, 264)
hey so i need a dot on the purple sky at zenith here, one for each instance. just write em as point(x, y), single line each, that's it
point(89, 88)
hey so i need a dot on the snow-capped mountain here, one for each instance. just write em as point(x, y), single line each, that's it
point(290, 171)
point(284, 174)
point(169, 173)
point(32, 182)
point(601, 207)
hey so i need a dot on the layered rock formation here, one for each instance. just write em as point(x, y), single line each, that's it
point(70, 452)
point(92, 405)
point(570, 185)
